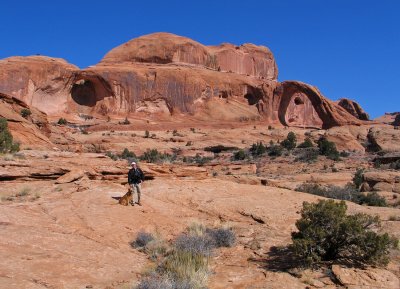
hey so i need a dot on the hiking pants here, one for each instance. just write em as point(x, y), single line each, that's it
point(136, 187)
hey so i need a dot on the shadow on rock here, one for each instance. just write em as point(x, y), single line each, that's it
point(279, 259)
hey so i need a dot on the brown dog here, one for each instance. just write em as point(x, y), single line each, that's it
point(127, 198)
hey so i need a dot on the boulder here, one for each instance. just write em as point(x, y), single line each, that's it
point(382, 186)
point(385, 138)
point(365, 187)
point(374, 177)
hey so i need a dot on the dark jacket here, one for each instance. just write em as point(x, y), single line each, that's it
point(135, 176)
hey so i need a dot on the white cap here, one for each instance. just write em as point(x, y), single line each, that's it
point(133, 163)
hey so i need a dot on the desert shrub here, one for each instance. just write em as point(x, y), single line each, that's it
point(112, 156)
point(371, 199)
point(326, 233)
point(219, 148)
point(239, 155)
point(155, 282)
point(185, 264)
point(25, 112)
point(24, 192)
point(163, 282)
point(187, 268)
point(328, 149)
point(307, 143)
point(344, 154)
point(347, 193)
point(395, 165)
point(258, 149)
point(275, 150)
point(222, 237)
point(358, 178)
point(201, 245)
point(154, 156)
point(125, 121)
point(128, 155)
point(307, 155)
point(290, 141)
point(394, 218)
point(377, 164)
point(62, 121)
point(146, 134)
point(142, 239)
point(6, 139)
point(196, 229)
point(200, 160)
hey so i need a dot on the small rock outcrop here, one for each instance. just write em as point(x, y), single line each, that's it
point(353, 108)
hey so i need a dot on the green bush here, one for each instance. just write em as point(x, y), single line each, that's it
point(142, 239)
point(239, 155)
point(358, 178)
point(290, 142)
point(25, 112)
point(6, 139)
point(372, 199)
point(125, 121)
point(222, 237)
point(258, 149)
point(347, 193)
point(112, 156)
point(62, 121)
point(328, 149)
point(326, 233)
point(275, 150)
point(308, 155)
point(127, 155)
point(154, 156)
point(395, 165)
point(307, 143)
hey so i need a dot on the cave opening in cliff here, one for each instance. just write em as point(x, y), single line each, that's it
point(251, 99)
point(83, 92)
point(298, 101)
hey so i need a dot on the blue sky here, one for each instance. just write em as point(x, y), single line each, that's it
point(345, 48)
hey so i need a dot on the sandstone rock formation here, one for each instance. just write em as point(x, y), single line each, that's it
point(303, 105)
point(32, 131)
point(39, 81)
point(354, 108)
point(162, 74)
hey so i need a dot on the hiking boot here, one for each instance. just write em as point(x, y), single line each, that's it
point(131, 203)
point(139, 203)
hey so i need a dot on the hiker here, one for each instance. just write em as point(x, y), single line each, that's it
point(135, 178)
